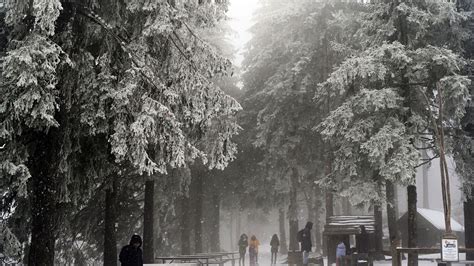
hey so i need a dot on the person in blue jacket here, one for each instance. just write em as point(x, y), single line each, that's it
point(340, 252)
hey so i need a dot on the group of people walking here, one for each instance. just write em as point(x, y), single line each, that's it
point(253, 245)
point(131, 255)
point(304, 237)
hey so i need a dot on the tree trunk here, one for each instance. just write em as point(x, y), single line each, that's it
point(310, 207)
point(346, 206)
point(43, 221)
point(110, 238)
point(185, 227)
point(149, 223)
point(293, 212)
point(329, 205)
point(402, 36)
point(469, 225)
point(466, 5)
point(378, 229)
point(42, 166)
point(281, 220)
point(329, 212)
point(238, 226)
point(392, 218)
point(317, 219)
point(215, 236)
point(198, 219)
point(231, 230)
point(426, 190)
point(412, 236)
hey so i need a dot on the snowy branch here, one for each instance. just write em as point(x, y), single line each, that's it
point(427, 161)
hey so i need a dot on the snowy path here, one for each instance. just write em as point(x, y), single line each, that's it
point(264, 259)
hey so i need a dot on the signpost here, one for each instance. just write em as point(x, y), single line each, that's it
point(449, 248)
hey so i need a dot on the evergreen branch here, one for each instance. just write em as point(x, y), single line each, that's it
point(192, 32)
point(182, 52)
point(196, 70)
point(122, 43)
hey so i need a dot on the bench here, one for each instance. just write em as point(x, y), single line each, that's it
point(227, 256)
point(218, 262)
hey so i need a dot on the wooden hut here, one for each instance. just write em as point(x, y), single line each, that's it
point(430, 227)
point(342, 227)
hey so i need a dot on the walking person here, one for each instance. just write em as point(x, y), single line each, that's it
point(362, 244)
point(243, 244)
point(253, 250)
point(274, 243)
point(362, 241)
point(131, 254)
point(340, 253)
point(304, 236)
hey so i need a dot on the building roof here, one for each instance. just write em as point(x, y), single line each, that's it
point(436, 218)
point(349, 225)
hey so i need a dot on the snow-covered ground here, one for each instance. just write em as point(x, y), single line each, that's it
point(265, 260)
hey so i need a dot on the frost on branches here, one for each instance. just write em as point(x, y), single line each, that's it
point(380, 126)
point(129, 79)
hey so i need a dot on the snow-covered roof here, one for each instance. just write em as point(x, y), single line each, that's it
point(350, 225)
point(436, 218)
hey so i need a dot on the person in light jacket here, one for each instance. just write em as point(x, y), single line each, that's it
point(253, 250)
point(340, 252)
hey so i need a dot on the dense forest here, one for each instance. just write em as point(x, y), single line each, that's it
point(123, 117)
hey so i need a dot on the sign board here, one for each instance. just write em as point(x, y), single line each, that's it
point(449, 249)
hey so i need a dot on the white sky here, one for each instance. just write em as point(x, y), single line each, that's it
point(240, 14)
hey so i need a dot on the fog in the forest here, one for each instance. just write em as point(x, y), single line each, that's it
point(139, 132)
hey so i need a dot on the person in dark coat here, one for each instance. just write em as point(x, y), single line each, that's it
point(274, 243)
point(132, 255)
point(243, 244)
point(306, 244)
point(362, 241)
